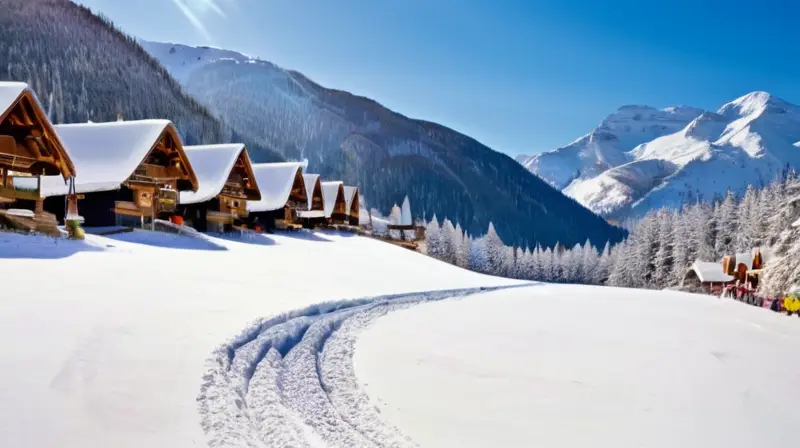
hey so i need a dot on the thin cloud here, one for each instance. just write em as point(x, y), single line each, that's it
point(192, 18)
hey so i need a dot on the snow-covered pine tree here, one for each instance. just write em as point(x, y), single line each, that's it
point(621, 272)
point(448, 242)
point(537, 264)
point(548, 268)
point(727, 226)
point(747, 218)
point(495, 251)
point(663, 262)
point(589, 263)
point(478, 258)
point(604, 265)
point(433, 238)
point(463, 254)
point(681, 250)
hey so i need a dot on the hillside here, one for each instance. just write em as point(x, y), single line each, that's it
point(388, 155)
point(83, 69)
point(698, 155)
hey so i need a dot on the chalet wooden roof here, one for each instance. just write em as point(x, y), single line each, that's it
point(107, 154)
point(213, 165)
point(276, 182)
point(19, 102)
point(333, 193)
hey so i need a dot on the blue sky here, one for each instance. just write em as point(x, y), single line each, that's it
point(520, 76)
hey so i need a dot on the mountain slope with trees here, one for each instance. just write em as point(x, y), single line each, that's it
point(84, 69)
point(388, 155)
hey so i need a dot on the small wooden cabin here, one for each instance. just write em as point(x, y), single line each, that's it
point(352, 204)
point(746, 266)
point(335, 202)
point(227, 183)
point(704, 276)
point(314, 214)
point(29, 148)
point(131, 172)
point(283, 193)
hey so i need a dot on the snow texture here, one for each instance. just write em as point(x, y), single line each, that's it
point(113, 352)
point(291, 378)
point(9, 94)
point(212, 165)
point(571, 366)
point(104, 154)
point(275, 181)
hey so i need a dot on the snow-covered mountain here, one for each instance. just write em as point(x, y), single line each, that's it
point(671, 156)
point(389, 155)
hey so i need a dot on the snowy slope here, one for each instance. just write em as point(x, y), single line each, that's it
point(570, 366)
point(748, 141)
point(111, 349)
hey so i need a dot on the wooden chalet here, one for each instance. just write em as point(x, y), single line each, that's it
point(335, 202)
point(705, 276)
point(227, 183)
point(130, 172)
point(29, 148)
point(746, 267)
point(314, 214)
point(283, 193)
point(352, 204)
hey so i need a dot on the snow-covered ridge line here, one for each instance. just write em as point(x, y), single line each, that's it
point(289, 380)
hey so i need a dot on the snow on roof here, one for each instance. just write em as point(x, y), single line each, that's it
point(212, 164)
point(105, 154)
point(330, 192)
point(275, 181)
point(710, 272)
point(311, 182)
point(350, 194)
point(9, 94)
point(745, 258)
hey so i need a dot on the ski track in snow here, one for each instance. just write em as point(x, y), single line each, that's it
point(289, 380)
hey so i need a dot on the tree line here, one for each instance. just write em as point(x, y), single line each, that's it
point(660, 248)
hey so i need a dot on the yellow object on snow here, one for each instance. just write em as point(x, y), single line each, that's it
point(791, 304)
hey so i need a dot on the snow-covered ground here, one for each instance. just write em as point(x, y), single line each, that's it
point(327, 339)
point(105, 342)
point(570, 366)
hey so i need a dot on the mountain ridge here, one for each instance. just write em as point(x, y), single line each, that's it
point(749, 140)
point(356, 139)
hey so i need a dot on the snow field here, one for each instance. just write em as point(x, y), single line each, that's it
point(568, 366)
point(105, 342)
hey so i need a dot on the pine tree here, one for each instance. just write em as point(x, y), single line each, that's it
point(448, 242)
point(433, 239)
point(727, 226)
point(604, 265)
point(477, 257)
point(495, 252)
point(663, 263)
